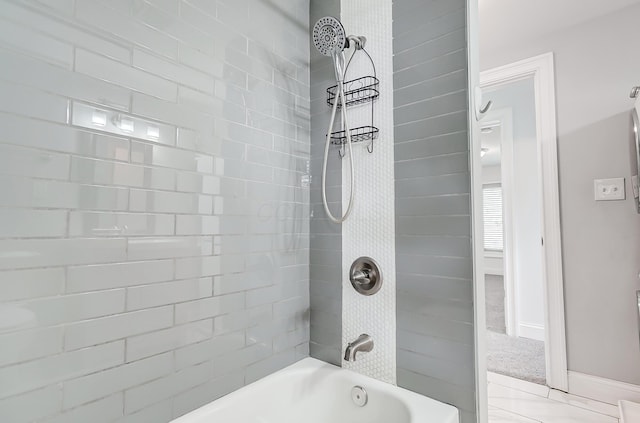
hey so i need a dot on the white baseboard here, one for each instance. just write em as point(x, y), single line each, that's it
point(601, 389)
point(531, 331)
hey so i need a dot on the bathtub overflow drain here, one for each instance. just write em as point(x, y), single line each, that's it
point(359, 396)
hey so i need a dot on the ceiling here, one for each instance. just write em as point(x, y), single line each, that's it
point(508, 22)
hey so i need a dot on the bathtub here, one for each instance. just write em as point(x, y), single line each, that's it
point(312, 391)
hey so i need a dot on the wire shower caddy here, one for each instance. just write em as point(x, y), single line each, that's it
point(356, 91)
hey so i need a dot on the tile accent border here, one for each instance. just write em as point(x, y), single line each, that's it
point(370, 230)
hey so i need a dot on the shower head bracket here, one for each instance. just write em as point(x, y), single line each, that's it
point(358, 41)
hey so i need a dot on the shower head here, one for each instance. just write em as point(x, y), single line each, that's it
point(329, 36)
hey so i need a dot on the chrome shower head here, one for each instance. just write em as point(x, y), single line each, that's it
point(329, 36)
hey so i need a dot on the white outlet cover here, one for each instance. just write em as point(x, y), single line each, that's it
point(609, 189)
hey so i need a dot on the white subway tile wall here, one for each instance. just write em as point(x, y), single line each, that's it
point(154, 244)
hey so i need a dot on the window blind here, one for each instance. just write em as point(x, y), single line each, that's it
point(493, 229)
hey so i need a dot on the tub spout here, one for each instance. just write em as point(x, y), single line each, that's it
point(364, 343)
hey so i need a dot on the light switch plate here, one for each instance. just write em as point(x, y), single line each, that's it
point(609, 189)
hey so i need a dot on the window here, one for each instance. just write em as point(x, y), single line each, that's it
point(492, 206)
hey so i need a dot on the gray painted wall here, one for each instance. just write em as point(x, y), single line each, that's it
point(142, 277)
point(326, 237)
point(433, 224)
point(595, 69)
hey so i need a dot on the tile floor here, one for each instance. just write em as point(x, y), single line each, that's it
point(515, 401)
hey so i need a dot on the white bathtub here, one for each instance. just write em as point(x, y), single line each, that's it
point(312, 391)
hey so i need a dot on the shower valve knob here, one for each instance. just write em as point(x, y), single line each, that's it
point(365, 276)
point(361, 277)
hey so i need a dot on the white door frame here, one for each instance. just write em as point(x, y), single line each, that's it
point(505, 116)
point(541, 69)
point(477, 224)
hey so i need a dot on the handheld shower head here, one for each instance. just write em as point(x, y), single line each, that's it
point(329, 36)
point(330, 39)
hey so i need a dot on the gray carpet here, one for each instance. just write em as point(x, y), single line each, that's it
point(521, 358)
point(494, 294)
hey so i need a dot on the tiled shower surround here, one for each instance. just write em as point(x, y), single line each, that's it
point(154, 238)
point(162, 235)
point(434, 298)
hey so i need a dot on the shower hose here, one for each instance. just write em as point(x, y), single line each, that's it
point(339, 63)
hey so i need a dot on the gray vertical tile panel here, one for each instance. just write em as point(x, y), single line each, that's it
point(325, 237)
point(435, 338)
point(153, 266)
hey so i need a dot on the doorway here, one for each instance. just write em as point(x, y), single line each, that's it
point(512, 233)
point(523, 249)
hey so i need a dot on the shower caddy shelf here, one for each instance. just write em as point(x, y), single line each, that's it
point(359, 134)
point(356, 91)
